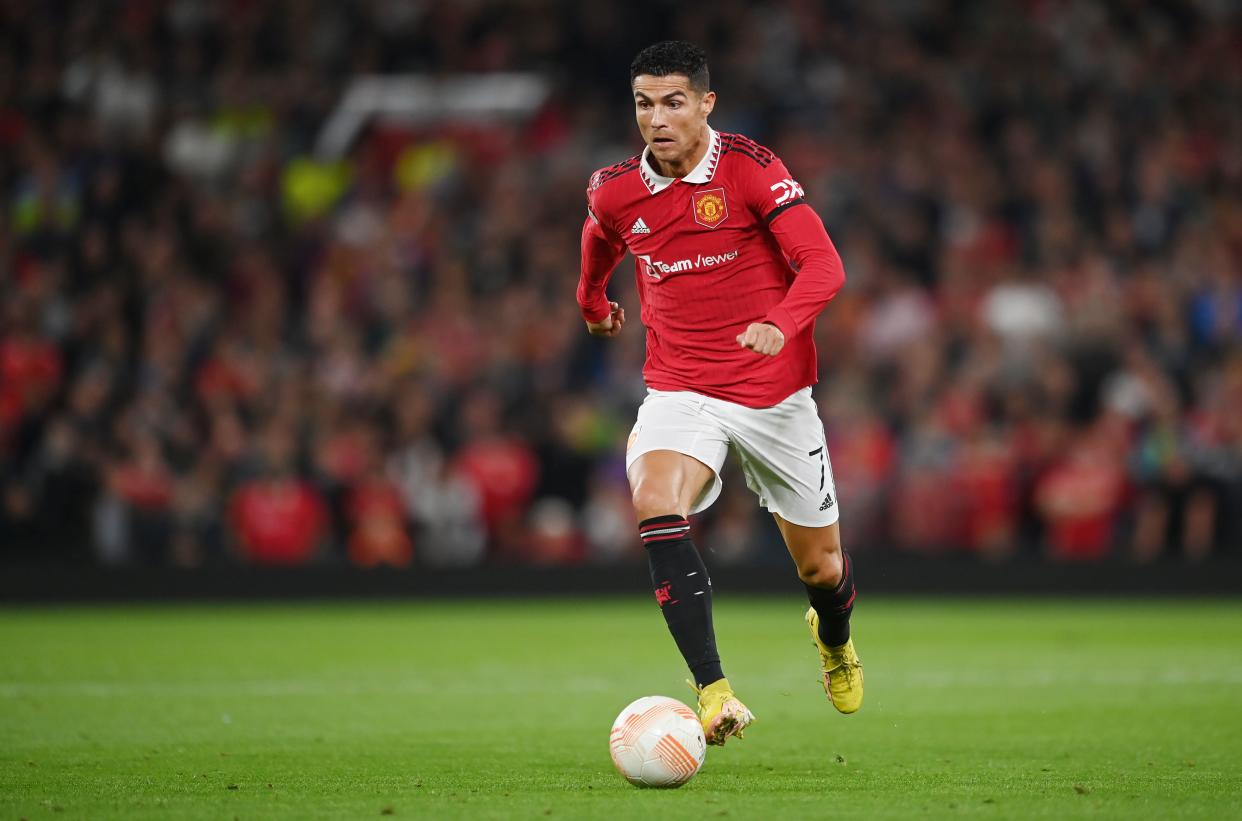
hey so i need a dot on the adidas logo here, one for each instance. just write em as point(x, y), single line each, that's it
point(639, 227)
point(827, 502)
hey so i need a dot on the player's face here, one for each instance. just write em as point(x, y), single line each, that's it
point(672, 118)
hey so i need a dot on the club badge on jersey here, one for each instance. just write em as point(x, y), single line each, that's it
point(710, 208)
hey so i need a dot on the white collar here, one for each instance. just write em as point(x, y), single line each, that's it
point(703, 172)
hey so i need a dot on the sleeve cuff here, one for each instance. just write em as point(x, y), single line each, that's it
point(784, 321)
point(596, 312)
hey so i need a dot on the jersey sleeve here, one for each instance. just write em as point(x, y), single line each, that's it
point(770, 189)
point(779, 202)
point(602, 249)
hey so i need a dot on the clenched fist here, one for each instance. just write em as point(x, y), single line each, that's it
point(762, 338)
point(609, 325)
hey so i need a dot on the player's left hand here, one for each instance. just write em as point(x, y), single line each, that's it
point(609, 325)
point(762, 338)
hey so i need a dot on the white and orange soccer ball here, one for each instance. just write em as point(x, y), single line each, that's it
point(657, 742)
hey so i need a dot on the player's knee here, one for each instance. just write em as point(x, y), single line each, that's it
point(823, 571)
point(651, 500)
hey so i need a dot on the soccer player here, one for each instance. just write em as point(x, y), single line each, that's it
point(732, 266)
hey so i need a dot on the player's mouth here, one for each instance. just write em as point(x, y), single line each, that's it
point(662, 141)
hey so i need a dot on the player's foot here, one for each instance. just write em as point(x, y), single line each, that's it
point(720, 712)
point(843, 673)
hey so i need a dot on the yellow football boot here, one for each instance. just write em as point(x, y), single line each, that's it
point(843, 673)
point(720, 712)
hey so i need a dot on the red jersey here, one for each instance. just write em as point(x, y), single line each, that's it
point(278, 521)
point(731, 243)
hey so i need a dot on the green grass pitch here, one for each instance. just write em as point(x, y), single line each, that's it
point(469, 709)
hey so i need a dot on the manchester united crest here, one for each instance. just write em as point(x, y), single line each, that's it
point(709, 207)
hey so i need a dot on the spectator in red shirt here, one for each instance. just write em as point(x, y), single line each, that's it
point(143, 485)
point(1080, 497)
point(502, 469)
point(278, 518)
point(30, 368)
point(376, 522)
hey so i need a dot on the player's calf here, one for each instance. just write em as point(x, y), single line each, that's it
point(829, 582)
point(684, 593)
point(829, 621)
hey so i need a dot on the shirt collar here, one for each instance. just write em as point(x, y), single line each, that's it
point(703, 172)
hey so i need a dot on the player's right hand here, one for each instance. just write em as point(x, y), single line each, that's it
point(609, 325)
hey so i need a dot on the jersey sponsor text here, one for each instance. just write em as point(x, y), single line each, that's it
point(655, 269)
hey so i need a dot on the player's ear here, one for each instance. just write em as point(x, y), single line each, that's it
point(707, 102)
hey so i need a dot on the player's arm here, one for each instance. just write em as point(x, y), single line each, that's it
point(601, 251)
point(797, 229)
point(820, 273)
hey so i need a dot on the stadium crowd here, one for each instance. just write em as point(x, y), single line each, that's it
point(217, 346)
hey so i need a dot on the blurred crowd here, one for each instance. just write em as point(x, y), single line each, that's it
point(218, 346)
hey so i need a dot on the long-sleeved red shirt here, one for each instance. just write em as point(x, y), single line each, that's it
point(731, 243)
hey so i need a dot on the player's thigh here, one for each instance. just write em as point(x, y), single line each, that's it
point(675, 454)
point(665, 482)
point(784, 457)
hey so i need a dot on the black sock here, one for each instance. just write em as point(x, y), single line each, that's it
point(684, 593)
point(834, 606)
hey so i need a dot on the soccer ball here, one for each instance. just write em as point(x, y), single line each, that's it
point(657, 742)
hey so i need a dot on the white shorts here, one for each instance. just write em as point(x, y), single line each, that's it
point(782, 449)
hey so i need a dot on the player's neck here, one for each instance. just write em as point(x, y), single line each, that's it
point(676, 169)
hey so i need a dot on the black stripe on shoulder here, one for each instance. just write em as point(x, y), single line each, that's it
point(613, 171)
point(743, 143)
point(758, 160)
point(780, 209)
point(612, 175)
point(625, 165)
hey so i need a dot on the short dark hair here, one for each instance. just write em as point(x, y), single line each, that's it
point(673, 57)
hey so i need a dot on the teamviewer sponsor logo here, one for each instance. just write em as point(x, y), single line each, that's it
point(656, 269)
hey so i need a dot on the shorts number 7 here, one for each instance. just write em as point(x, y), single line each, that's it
point(822, 463)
